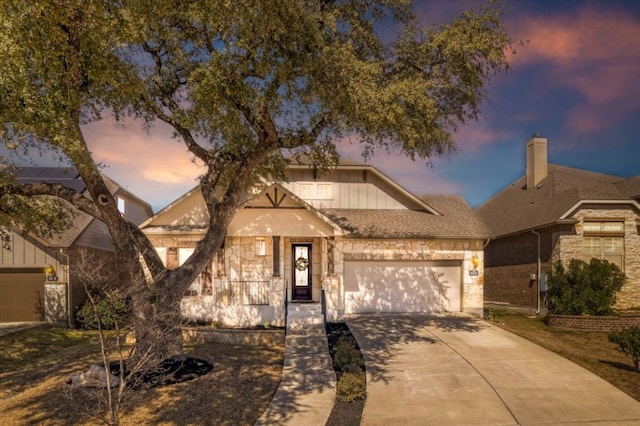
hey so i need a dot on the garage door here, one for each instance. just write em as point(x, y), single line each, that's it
point(21, 294)
point(402, 286)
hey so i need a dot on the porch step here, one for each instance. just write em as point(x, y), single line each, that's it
point(304, 309)
point(307, 316)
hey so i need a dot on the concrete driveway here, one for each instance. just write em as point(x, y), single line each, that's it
point(460, 370)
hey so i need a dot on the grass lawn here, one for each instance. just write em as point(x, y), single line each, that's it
point(589, 349)
point(36, 364)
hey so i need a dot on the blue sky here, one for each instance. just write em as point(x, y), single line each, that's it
point(575, 81)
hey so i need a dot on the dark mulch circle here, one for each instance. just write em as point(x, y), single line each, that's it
point(168, 372)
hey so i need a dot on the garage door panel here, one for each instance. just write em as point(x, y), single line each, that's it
point(401, 286)
point(21, 295)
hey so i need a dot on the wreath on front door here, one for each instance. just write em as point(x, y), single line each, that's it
point(302, 264)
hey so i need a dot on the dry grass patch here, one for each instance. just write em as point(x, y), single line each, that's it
point(33, 388)
point(589, 349)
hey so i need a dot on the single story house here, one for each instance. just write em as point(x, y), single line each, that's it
point(350, 238)
point(555, 213)
point(38, 277)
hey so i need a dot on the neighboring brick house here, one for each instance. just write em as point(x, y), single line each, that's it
point(38, 276)
point(558, 213)
point(350, 234)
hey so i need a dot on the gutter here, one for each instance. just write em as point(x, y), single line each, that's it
point(69, 295)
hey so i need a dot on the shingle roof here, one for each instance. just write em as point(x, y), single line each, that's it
point(456, 220)
point(67, 176)
point(517, 208)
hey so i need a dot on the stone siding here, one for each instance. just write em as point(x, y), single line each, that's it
point(570, 246)
point(233, 336)
point(594, 323)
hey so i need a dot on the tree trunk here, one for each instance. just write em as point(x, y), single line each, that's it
point(157, 323)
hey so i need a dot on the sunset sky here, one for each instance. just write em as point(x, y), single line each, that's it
point(575, 81)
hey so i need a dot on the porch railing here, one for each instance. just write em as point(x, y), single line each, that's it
point(249, 292)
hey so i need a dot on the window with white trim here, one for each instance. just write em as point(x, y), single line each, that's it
point(121, 205)
point(195, 289)
point(315, 190)
point(604, 240)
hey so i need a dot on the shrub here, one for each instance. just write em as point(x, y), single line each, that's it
point(347, 358)
point(110, 308)
point(628, 341)
point(584, 288)
point(351, 387)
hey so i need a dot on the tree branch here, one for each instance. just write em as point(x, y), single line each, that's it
point(60, 191)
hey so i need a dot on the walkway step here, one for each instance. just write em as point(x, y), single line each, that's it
point(308, 386)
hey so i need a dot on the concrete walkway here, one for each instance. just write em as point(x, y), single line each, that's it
point(307, 388)
point(460, 370)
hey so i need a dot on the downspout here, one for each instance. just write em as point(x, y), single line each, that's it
point(538, 272)
point(68, 279)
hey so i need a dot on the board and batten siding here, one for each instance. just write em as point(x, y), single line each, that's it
point(26, 252)
point(95, 236)
point(351, 189)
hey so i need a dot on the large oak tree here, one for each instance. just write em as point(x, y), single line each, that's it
point(245, 85)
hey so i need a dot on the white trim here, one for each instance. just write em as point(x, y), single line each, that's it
point(580, 203)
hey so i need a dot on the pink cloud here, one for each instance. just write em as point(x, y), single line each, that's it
point(153, 166)
point(474, 136)
point(594, 52)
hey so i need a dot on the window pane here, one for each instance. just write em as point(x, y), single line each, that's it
point(121, 205)
point(613, 226)
point(613, 245)
point(306, 191)
point(324, 191)
point(617, 259)
point(592, 226)
point(592, 246)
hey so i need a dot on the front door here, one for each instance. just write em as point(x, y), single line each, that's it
point(301, 256)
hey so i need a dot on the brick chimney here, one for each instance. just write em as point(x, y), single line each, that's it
point(536, 160)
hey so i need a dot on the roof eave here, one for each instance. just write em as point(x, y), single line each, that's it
point(537, 227)
point(581, 203)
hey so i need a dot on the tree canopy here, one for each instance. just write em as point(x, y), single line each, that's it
point(244, 84)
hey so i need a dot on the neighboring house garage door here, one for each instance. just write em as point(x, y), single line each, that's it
point(21, 294)
point(402, 286)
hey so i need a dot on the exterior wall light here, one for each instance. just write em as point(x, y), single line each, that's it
point(475, 261)
point(51, 273)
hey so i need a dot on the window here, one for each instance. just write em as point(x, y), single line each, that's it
point(260, 247)
point(306, 191)
point(121, 205)
point(604, 240)
point(316, 191)
point(324, 191)
point(195, 288)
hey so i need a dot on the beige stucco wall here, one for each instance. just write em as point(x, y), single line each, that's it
point(570, 246)
point(289, 222)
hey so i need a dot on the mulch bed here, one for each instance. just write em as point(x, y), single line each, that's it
point(343, 413)
point(169, 372)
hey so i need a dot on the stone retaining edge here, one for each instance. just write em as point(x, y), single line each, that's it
point(594, 323)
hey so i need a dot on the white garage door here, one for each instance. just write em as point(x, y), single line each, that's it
point(402, 286)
